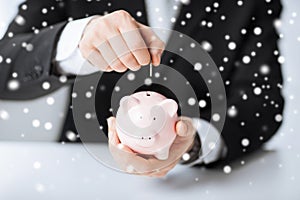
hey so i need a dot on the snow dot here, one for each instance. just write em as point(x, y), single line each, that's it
point(197, 66)
point(1, 59)
point(10, 34)
point(206, 46)
point(216, 117)
point(216, 4)
point(44, 23)
point(278, 118)
point(186, 156)
point(131, 76)
point(88, 94)
point(277, 23)
point(117, 88)
point(44, 10)
point(48, 126)
point(139, 13)
point(63, 79)
point(231, 45)
point(50, 100)
point(246, 59)
point(74, 94)
point(191, 101)
point(188, 15)
point(212, 145)
point(227, 169)
point(243, 31)
point(203, 23)
point(239, 3)
point(148, 81)
point(20, 20)
point(264, 69)
point(36, 165)
point(14, 74)
point(36, 123)
point(130, 169)
point(157, 75)
point(40, 187)
point(46, 85)
point(257, 30)
point(185, 1)
point(192, 45)
point(257, 91)
point(4, 115)
point(25, 110)
point(13, 85)
point(173, 19)
point(208, 9)
point(24, 7)
point(244, 97)
point(245, 142)
point(202, 103)
point(281, 59)
point(29, 47)
point(8, 60)
point(71, 136)
point(223, 17)
point(88, 115)
point(232, 111)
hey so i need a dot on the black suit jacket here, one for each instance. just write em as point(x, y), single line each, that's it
point(37, 66)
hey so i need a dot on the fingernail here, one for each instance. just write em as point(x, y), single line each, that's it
point(182, 128)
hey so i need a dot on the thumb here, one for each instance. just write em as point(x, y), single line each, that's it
point(181, 128)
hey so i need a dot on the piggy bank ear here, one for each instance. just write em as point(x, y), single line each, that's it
point(128, 102)
point(170, 106)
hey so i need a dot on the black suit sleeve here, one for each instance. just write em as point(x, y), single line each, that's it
point(28, 49)
point(259, 110)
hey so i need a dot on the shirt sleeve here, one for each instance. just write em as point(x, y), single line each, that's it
point(68, 56)
point(213, 147)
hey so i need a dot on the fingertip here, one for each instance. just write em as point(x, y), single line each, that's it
point(156, 57)
point(181, 128)
point(155, 61)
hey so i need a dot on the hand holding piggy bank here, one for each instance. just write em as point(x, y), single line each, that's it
point(145, 122)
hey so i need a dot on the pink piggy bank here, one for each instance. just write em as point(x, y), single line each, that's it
point(145, 122)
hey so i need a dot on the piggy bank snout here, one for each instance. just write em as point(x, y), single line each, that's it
point(146, 141)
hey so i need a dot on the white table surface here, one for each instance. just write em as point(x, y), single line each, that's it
point(70, 172)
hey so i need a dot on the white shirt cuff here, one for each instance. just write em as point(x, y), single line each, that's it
point(68, 56)
point(212, 145)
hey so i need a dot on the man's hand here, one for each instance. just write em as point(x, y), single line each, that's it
point(116, 42)
point(132, 162)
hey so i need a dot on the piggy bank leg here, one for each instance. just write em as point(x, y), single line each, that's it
point(163, 154)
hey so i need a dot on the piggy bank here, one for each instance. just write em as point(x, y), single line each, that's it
point(145, 122)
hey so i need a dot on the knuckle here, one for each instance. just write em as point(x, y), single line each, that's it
point(122, 13)
point(162, 44)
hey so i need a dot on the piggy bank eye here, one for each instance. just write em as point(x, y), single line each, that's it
point(141, 117)
point(154, 118)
